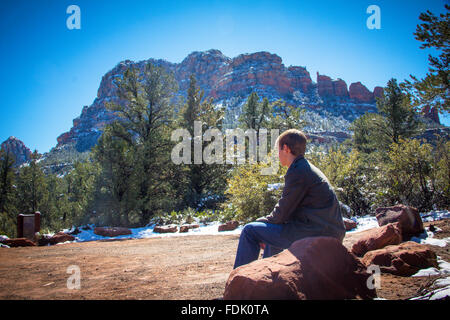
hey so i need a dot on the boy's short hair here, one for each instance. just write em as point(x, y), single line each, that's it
point(295, 140)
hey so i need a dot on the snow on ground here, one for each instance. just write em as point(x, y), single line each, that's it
point(147, 232)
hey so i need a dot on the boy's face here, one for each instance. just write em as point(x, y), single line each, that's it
point(283, 155)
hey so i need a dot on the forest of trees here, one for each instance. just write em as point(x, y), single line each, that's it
point(129, 178)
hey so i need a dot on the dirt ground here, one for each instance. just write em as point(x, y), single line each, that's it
point(178, 268)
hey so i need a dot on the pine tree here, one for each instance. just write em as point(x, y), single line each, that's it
point(202, 180)
point(32, 189)
point(434, 89)
point(140, 142)
point(399, 117)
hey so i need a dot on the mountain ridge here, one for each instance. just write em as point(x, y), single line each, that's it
point(227, 79)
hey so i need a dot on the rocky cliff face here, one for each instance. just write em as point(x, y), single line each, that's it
point(17, 148)
point(225, 79)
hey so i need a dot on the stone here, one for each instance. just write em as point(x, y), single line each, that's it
point(377, 238)
point(408, 218)
point(61, 237)
point(166, 229)
point(228, 226)
point(18, 242)
point(360, 93)
point(187, 227)
point(111, 231)
point(404, 259)
point(349, 224)
point(315, 268)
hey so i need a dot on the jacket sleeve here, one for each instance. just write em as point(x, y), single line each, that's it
point(294, 191)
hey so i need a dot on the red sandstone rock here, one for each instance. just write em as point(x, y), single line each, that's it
point(378, 92)
point(360, 93)
point(111, 232)
point(318, 268)
point(378, 238)
point(230, 225)
point(349, 224)
point(402, 260)
point(166, 229)
point(18, 242)
point(187, 227)
point(61, 237)
point(408, 218)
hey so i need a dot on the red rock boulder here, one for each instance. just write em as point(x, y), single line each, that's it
point(377, 238)
point(111, 232)
point(229, 226)
point(402, 260)
point(349, 224)
point(187, 227)
point(316, 268)
point(408, 218)
point(18, 242)
point(166, 229)
point(61, 237)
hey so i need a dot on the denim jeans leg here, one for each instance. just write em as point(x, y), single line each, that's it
point(254, 233)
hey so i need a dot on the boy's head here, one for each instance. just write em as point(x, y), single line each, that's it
point(291, 143)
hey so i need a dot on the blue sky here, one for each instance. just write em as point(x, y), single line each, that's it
point(50, 72)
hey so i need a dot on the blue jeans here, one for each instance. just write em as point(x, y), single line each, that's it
point(252, 235)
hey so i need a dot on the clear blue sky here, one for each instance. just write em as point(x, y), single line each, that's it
point(50, 72)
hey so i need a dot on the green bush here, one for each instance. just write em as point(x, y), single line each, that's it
point(248, 194)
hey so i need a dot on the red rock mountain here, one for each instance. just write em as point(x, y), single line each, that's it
point(225, 79)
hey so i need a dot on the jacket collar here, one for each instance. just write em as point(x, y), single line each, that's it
point(296, 159)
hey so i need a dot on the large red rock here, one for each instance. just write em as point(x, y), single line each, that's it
point(18, 242)
point(402, 260)
point(166, 229)
point(111, 231)
point(377, 238)
point(360, 93)
point(229, 226)
point(316, 268)
point(408, 218)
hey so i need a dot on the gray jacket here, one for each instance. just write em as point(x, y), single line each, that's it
point(308, 205)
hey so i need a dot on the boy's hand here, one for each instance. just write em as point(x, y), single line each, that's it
point(262, 219)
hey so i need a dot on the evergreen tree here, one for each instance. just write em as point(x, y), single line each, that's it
point(400, 119)
point(140, 143)
point(255, 115)
point(32, 189)
point(434, 89)
point(7, 195)
point(203, 181)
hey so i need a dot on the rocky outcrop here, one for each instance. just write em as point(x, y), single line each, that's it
point(431, 113)
point(408, 218)
point(223, 78)
point(404, 259)
point(20, 153)
point(111, 232)
point(378, 238)
point(360, 93)
point(318, 268)
point(329, 88)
